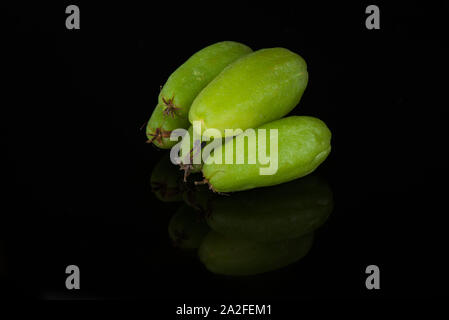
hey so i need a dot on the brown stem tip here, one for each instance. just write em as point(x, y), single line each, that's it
point(170, 108)
point(205, 181)
point(158, 135)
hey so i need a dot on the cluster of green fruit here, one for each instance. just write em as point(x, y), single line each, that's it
point(240, 234)
point(228, 86)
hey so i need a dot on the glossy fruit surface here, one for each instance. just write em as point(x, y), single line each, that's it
point(260, 87)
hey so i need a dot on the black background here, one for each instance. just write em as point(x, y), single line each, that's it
point(77, 168)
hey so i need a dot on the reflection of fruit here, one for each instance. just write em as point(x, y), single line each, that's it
point(166, 180)
point(258, 88)
point(303, 144)
point(183, 86)
point(187, 228)
point(273, 214)
point(199, 197)
point(234, 256)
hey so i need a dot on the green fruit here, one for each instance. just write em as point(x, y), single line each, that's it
point(183, 86)
point(237, 257)
point(303, 144)
point(273, 214)
point(258, 88)
point(166, 180)
point(187, 228)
